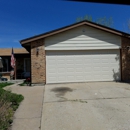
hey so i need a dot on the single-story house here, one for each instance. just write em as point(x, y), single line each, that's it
point(81, 52)
point(22, 58)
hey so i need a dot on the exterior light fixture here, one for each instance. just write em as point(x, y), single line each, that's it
point(83, 30)
point(37, 51)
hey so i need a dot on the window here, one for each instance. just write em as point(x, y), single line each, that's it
point(27, 65)
point(6, 65)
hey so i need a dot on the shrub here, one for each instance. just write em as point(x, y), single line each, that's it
point(13, 98)
point(27, 82)
point(9, 102)
point(6, 114)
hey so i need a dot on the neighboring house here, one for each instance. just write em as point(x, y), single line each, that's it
point(81, 52)
point(22, 57)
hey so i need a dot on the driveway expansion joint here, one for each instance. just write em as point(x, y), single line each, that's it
point(28, 118)
point(86, 99)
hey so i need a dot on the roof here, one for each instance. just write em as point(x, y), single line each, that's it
point(105, 1)
point(85, 22)
point(8, 51)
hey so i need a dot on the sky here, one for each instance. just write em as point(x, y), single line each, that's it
point(21, 19)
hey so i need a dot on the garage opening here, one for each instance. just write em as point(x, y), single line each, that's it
point(82, 66)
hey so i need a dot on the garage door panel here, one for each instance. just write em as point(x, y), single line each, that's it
point(82, 66)
point(61, 70)
point(61, 79)
point(60, 62)
point(70, 70)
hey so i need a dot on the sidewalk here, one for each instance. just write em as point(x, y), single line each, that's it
point(28, 115)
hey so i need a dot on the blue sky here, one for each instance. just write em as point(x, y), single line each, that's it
point(20, 19)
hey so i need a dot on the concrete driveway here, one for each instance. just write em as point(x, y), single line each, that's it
point(86, 106)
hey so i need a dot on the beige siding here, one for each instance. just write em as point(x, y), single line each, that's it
point(83, 38)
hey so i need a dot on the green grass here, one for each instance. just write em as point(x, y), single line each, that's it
point(4, 84)
point(9, 102)
point(25, 83)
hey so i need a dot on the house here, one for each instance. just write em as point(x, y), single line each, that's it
point(22, 57)
point(81, 52)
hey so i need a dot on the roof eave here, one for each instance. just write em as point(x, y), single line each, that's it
point(104, 28)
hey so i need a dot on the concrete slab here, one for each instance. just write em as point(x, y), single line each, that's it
point(69, 116)
point(27, 124)
point(28, 115)
point(70, 91)
point(73, 106)
point(86, 106)
point(28, 111)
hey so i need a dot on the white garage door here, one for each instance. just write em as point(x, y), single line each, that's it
point(82, 66)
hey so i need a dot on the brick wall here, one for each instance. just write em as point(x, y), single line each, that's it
point(38, 65)
point(125, 59)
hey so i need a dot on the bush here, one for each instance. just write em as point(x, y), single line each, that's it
point(13, 98)
point(27, 82)
point(9, 102)
point(6, 114)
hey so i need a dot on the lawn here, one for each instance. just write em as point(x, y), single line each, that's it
point(9, 102)
point(4, 84)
